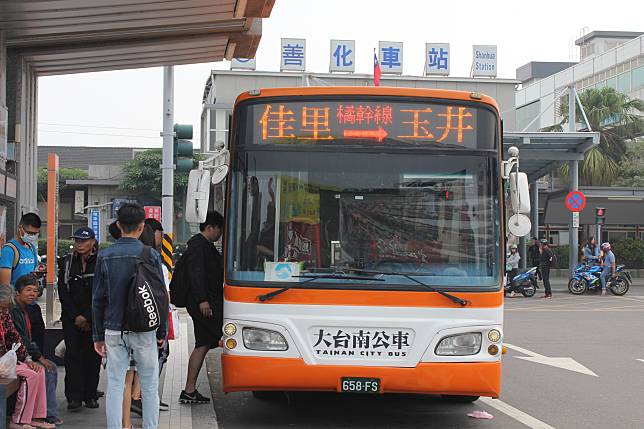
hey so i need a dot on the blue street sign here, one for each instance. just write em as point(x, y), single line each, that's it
point(95, 219)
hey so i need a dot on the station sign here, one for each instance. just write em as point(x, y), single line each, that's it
point(484, 60)
point(390, 55)
point(437, 59)
point(342, 57)
point(293, 55)
point(243, 64)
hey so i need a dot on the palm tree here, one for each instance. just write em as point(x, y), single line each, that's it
point(618, 120)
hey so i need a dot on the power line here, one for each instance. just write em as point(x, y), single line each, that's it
point(98, 126)
point(98, 134)
point(104, 134)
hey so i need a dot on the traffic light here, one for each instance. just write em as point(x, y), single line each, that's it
point(182, 153)
point(600, 215)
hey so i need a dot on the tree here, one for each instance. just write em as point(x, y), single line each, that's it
point(631, 172)
point(618, 120)
point(143, 173)
point(64, 174)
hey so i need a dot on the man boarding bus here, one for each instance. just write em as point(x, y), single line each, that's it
point(364, 241)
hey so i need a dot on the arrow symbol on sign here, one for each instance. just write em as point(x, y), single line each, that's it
point(378, 134)
point(559, 362)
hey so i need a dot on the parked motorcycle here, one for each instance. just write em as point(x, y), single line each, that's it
point(525, 282)
point(587, 277)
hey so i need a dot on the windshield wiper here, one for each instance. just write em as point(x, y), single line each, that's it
point(410, 276)
point(310, 278)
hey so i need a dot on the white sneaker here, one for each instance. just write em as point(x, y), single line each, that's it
point(513, 294)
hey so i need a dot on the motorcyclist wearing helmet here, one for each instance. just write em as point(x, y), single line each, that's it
point(609, 265)
point(512, 263)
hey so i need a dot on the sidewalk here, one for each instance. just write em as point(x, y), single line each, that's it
point(172, 381)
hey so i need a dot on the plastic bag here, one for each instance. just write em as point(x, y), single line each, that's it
point(8, 362)
point(173, 325)
point(60, 350)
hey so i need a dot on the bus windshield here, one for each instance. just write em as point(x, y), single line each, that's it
point(297, 213)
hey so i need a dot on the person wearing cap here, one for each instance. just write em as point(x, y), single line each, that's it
point(546, 261)
point(75, 279)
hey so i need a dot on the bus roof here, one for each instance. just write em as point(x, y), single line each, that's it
point(371, 91)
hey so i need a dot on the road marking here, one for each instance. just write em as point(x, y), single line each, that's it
point(516, 414)
point(641, 360)
point(559, 362)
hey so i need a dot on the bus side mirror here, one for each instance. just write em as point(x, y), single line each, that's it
point(519, 193)
point(197, 196)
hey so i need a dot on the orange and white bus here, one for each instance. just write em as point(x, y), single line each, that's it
point(364, 242)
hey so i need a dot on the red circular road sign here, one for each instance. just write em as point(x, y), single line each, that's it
point(575, 201)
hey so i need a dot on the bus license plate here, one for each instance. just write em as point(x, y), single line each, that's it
point(359, 385)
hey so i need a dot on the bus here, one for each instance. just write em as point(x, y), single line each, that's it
point(364, 242)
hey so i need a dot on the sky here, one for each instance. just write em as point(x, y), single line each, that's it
point(124, 108)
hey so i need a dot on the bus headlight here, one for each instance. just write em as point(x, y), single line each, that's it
point(494, 336)
point(264, 340)
point(230, 329)
point(460, 344)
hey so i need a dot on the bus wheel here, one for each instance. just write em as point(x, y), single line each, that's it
point(268, 395)
point(459, 399)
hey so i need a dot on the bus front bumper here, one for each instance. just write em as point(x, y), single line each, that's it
point(249, 373)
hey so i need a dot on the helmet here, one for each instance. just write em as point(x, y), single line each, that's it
point(543, 241)
point(513, 247)
point(606, 246)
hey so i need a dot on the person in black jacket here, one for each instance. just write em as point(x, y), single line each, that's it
point(546, 262)
point(82, 363)
point(205, 299)
point(534, 255)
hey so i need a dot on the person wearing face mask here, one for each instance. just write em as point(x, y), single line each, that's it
point(20, 257)
point(75, 278)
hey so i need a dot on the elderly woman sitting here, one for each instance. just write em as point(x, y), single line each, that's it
point(31, 404)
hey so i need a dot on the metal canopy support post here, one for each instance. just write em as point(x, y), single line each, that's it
point(534, 204)
point(167, 167)
point(573, 230)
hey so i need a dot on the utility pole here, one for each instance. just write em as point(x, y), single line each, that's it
point(167, 167)
point(573, 231)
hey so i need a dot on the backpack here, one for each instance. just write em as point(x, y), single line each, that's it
point(179, 284)
point(146, 307)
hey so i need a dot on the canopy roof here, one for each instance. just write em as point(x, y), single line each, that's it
point(73, 36)
point(542, 152)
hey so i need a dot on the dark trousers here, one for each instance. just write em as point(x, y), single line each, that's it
point(512, 274)
point(545, 275)
point(37, 325)
point(538, 273)
point(82, 363)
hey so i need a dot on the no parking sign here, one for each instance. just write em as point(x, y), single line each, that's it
point(575, 201)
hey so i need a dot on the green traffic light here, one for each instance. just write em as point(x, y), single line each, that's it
point(183, 131)
point(183, 150)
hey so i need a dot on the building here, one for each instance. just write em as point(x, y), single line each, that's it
point(98, 192)
point(608, 59)
point(223, 87)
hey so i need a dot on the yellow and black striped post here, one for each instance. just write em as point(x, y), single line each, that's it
point(166, 253)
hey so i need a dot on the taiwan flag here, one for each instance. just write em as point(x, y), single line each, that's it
point(376, 70)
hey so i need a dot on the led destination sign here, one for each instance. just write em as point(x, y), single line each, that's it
point(370, 122)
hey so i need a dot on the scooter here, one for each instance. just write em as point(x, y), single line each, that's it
point(587, 277)
point(525, 282)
